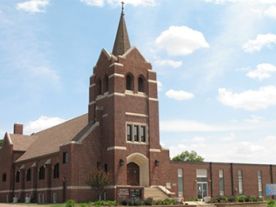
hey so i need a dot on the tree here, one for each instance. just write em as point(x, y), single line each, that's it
point(98, 180)
point(187, 156)
point(1, 142)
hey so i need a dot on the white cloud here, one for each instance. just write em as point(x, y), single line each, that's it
point(181, 40)
point(33, 6)
point(42, 123)
point(179, 95)
point(101, 3)
point(261, 41)
point(45, 72)
point(263, 71)
point(251, 100)
point(213, 148)
point(262, 2)
point(270, 12)
point(169, 63)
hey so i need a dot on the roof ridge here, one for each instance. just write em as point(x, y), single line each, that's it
point(65, 122)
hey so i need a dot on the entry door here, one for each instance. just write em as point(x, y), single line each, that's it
point(202, 190)
point(133, 174)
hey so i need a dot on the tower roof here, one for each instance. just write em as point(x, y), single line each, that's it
point(121, 44)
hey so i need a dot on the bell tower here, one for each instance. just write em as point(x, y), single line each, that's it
point(123, 99)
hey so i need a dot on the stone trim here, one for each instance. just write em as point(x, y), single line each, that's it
point(117, 64)
point(89, 131)
point(153, 99)
point(136, 114)
point(92, 102)
point(9, 138)
point(152, 81)
point(116, 94)
point(116, 148)
point(116, 75)
point(92, 85)
point(154, 150)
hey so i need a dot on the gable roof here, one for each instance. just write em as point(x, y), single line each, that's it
point(48, 141)
point(21, 142)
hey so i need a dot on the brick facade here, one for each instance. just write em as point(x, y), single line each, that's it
point(100, 140)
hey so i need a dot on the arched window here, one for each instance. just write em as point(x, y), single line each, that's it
point(17, 176)
point(99, 87)
point(106, 84)
point(129, 82)
point(4, 177)
point(41, 173)
point(141, 84)
point(29, 175)
point(56, 170)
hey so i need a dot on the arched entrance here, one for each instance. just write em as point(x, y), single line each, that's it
point(133, 174)
point(137, 169)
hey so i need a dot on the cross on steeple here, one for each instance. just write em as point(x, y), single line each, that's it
point(123, 7)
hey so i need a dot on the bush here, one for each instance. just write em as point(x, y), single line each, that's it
point(252, 199)
point(271, 203)
point(166, 202)
point(70, 203)
point(103, 203)
point(231, 199)
point(148, 201)
point(219, 199)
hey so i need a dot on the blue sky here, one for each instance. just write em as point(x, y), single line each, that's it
point(215, 61)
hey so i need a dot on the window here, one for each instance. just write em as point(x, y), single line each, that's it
point(99, 87)
point(65, 157)
point(136, 133)
point(129, 132)
point(17, 176)
point(143, 133)
point(29, 175)
point(240, 182)
point(4, 177)
point(129, 82)
point(260, 185)
point(105, 168)
point(41, 173)
point(141, 84)
point(56, 171)
point(180, 182)
point(221, 183)
point(106, 84)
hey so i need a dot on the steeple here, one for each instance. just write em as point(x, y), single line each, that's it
point(121, 44)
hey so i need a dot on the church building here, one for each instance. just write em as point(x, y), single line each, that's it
point(120, 135)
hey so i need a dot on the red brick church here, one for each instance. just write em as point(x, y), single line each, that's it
point(119, 134)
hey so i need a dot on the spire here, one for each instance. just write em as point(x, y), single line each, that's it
point(121, 44)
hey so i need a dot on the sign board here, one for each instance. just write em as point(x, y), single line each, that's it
point(123, 193)
point(270, 189)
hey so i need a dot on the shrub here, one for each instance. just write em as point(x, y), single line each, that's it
point(124, 202)
point(252, 199)
point(103, 203)
point(148, 201)
point(219, 199)
point(83, 205)
point(241, 198)
point(271, 203)
point(231, 199)
point(70, 203)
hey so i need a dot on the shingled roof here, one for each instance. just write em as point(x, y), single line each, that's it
point(21, 142)
point(48, 141)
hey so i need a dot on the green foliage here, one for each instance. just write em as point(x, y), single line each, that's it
point(166, 202)
point(70, 203)
point(98, 180)
point(271, 203)
point(187, 156)
point(241, 198)
point(103, 203)
point(148, 201)
point(219, 199)
point(1, 142)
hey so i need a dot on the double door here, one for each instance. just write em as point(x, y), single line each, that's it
point(202, 190)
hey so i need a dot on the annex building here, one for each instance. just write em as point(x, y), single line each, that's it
point(120, 135)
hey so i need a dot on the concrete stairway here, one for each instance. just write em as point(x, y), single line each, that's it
point(155, 193)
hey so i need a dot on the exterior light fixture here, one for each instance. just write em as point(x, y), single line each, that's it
point(156, 163)
point(121, 162)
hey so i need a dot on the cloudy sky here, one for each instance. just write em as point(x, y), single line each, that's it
point(215, 59)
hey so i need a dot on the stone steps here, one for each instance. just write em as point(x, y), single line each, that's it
point(155, 193)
